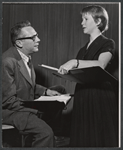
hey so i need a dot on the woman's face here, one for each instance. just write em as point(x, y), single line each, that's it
point(88, 24)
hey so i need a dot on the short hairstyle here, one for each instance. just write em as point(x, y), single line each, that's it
point(16, 30)
point(98, 12)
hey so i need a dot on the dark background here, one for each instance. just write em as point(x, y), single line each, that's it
point(59, 29)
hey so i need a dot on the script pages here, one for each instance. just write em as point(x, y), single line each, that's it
point(49, 67)
point(85, 75)
point(62, 98)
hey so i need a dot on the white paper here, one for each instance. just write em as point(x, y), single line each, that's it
point(62, 98)
point(49, 67)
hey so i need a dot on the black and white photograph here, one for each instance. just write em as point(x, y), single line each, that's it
point(61, 75)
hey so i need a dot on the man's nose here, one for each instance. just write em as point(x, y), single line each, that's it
point(37, 39)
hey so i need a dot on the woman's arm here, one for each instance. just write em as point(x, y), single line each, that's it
point(103, 60)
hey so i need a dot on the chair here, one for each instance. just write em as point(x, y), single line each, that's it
point(10, 127)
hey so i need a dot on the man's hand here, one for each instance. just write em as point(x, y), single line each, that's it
point(52, 92)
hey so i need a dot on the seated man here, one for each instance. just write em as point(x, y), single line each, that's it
point(18, 85)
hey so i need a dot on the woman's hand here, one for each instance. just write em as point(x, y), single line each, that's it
point(67, 66)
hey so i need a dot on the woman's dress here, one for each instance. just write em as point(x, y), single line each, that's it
point(95, 109)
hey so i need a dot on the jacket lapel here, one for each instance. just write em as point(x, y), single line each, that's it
point(24, 71)
point(14, 53)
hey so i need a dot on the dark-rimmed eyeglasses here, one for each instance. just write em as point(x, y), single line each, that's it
point(31, 37)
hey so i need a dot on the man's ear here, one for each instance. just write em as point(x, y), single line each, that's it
point(19, 43)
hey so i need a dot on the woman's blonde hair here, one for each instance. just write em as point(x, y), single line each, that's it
point(97, 12)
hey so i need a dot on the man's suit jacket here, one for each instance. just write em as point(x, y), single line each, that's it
point(16, 88)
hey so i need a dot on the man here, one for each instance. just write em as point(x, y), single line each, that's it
point(18, 85)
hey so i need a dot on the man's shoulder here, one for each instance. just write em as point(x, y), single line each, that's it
point(10, 53)
point(9, 50)
point(10, 56)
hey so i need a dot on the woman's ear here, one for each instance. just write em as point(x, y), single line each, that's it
point(19, 43)
point(98, 21)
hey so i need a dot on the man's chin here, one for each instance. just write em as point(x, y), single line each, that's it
point(36, 50)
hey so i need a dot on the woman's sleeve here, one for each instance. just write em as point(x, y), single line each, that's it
point(109, 46)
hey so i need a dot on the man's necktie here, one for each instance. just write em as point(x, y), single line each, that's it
point(29, 63)
point(31, 68)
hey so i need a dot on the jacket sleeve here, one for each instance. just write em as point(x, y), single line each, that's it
point(39, 90)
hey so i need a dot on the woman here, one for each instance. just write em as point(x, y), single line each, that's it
point(95, 112)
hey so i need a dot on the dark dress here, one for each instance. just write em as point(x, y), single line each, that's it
point(95, 109)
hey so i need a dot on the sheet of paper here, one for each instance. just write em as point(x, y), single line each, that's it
point(62, 98)
point(49, 67)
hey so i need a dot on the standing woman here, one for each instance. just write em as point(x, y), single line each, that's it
point(95, 109)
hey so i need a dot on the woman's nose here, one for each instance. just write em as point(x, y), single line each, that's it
point(82, 23)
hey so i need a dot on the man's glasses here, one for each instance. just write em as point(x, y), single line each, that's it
point(31, 37)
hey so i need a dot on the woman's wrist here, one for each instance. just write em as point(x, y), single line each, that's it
point(77, 63)
point(45, 93)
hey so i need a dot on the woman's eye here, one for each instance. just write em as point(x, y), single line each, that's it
point(84, 19)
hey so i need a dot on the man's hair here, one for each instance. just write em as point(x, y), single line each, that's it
point(97, 12)
point(16, 30)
